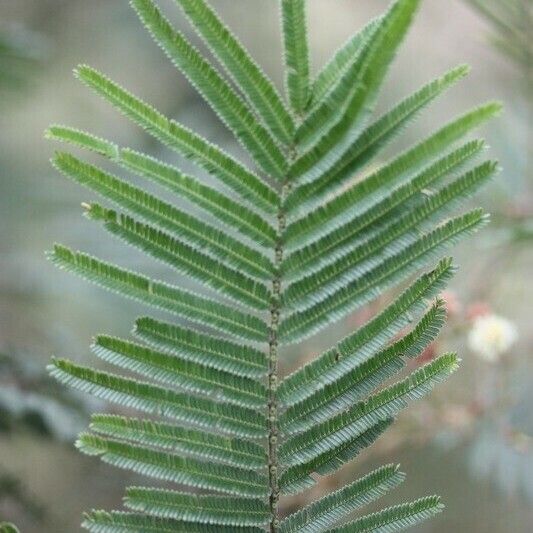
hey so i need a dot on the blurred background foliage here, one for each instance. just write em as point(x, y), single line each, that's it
point(476, 432)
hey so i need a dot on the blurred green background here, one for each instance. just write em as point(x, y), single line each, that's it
point(472, 442)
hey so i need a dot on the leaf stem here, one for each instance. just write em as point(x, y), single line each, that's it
point(275, 311)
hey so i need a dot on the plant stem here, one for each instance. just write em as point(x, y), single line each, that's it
point(275, 311)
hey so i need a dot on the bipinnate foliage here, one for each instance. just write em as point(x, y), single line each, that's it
point(314, 232)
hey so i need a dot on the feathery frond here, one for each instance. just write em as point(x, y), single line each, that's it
point(233, 214)
point(296, 52)
point(227, 169)
point(395, 518)
point(220, 95)
point(220, 510)
point(259, 91)
point(330, 509)
point(298, 243)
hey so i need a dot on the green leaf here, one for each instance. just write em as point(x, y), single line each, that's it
point(219, 510)
point(311, 235)
point(120, 522)
point(320, 515)
point(328, 435)
point(299, 477)
point(152, 209)
point(175, 468)
point(8, 528)
point(245, 72)
point(361, 83)
point(152, 399)
point(411, 160)
point(160, 295)
point(332, 73)
point(217, 353)
point(321, 180)
point(355, 377)
point(181, 373)
point(296, 52)
point(393, 238)
point(231, 109)
point(350, 213)
point(183, 258)
point(192, 442)
point(368, 339)
point(340, 299)
point(395, 518)
point(234, 214)
point(397, 230)
point(190, 145)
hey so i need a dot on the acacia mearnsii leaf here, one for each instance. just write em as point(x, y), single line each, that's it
point(300, 476)
point(121, 522)
point(395, 518)
point(233, 214)
point(167, 466)
point(198, 233)
point(394, 237)
point(392, 234)
point(396, 232)
point(332, 73)
point(327, 511)
point(191, 145)
point(345, 384)
point(201, 412)
point(248, 76)
point(228, 105)
point(385, 269)
point(192, 442)
point(321, 117)
point(340, 429)
point(183, 258)
point(310, 236)
point(181, 373)
point(215, 352)
point(296, 53)
point(364, 79)
point(377, 135)
point(201, 509)
point(342, 299)
point(161, 295)
point(408, 162)
point(332, 225)
point(368, 339)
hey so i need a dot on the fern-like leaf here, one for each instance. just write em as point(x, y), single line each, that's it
point(219, 510)
point(160, 295)
point(395, 518)
point(289, 248)
point(231, 213)
point(191, 442)
point(361, 84)
point(221, 96)
point(119, 522)
point(211, 351)
point(153, 399)
point(183, 258)
point(296, 50)
point(246, 73)
point(328, 510)
point(187, 143)
point(332, 73)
